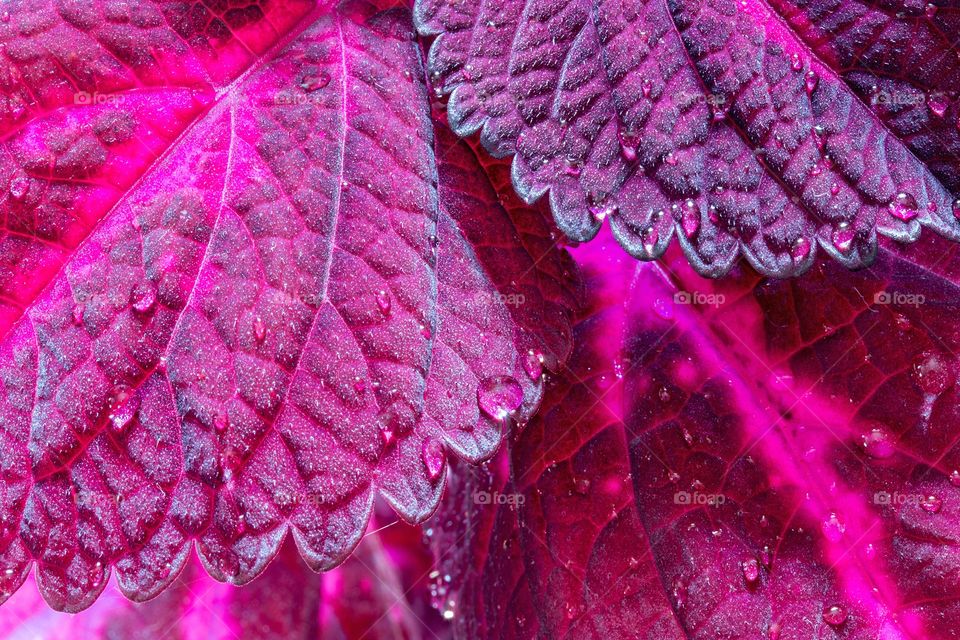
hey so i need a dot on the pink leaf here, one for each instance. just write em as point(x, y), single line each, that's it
point(742, 128)
point(247, 311)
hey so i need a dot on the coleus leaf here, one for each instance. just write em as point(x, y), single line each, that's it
point(248, 312)
point(765, 130)
point(286, 601)
point(793, 453)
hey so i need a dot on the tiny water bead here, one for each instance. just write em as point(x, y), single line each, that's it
point(751, 570)
point(833, 529)
point(143, 297)
point(955, 477)
point(931, 373)
point(878, 443)
point(533, 364)
point(383, 302)
point(938, 103)
point(800, 249)
point(433, 457)
point(810, 81)
point(19, 188)
point(499, 396)
point(259, 329)
point(931, 504)
point(843, 237)
point(834, 615)
point(689, 217)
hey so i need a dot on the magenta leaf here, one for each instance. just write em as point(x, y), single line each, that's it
point(246, 311)
point(742, 128)
point(792, 447)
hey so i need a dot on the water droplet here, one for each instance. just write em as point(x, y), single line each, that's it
point(650, 237)
point(679, 593)
point(602, 208)
point(766, 557)
point(221, 422)
point(124, 409)
point(795, 62)
point(581, 485)
point(359, 385)
point(19, 188)
point(774, 631)
point(718, 111)
point(433, 457)
point(938, 103)
point(259, 329)
point(646, 86)
point(499, 396)
point(143, 298)
point(751, 570)
point(843, 237)
point(670, 159)
point(833, 528)
point(800, 249)
point(533, 364)
point(903, 206)
point(955, 477)
point(572, 168)
point(78, 310)
point(383, 302)
point(810, 81)
point(931, 504)
point(5, 16)
point(426, 333)
point(932, 207)
point(930, 10)
point(878, 443)
point(628, 145)
point(956, 208)
point(312, 82)
point(819, 135)
point(689, 217)
point(663, 308)
point(834, 189)
point(931, 373)
point(834, 615)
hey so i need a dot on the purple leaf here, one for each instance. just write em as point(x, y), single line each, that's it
point(743, 128)
point(248, 312)
point(793, 457)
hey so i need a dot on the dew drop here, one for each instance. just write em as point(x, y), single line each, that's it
point(689, 217)
point(931, 373)
point(903, 206)
point(833, 528)
point(5, 16)
point(581, 485)
point(774, 631)
point(259, 329)
point(751, 570)
point(930, 10)
point(766, 557)
point(499, 396)
point(221, 422)
point(124, 410)
point(646, 87)
point(533, 364)
point(78, 310)
point(795, 62)
point(433, 457)
point(834, 615)
point(143, 298)
point(572, 168)
point(843, 237)
point(670, 159)
point(19, 188)
point(386, 435)
point(360, 386)
point(834, 189)
point(955, 477)
point(679, 593)
point(878, 443)
point(938, 103)
point(663, 308)
point(956, 208)
point(718, 112)
point(601, 209)
point(628, 145)
point(383, 302)
point(810, 81)
point(650, 237)
point(313, 82)
point(931, 504)
point(425, 332)
point(800, 249)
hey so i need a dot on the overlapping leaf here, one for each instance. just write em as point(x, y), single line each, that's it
point(793, 453)
point(742, 128)
point(247, 311)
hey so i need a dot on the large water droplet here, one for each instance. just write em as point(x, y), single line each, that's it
point(315, 81)
point(903, 206)
point(689, 217)
point(124, 407)
point(628, 145)
point(800, 249)
point(499, 396)
point(221, 422)
point(834, 615)
point(930, 10)
point(433, 457)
